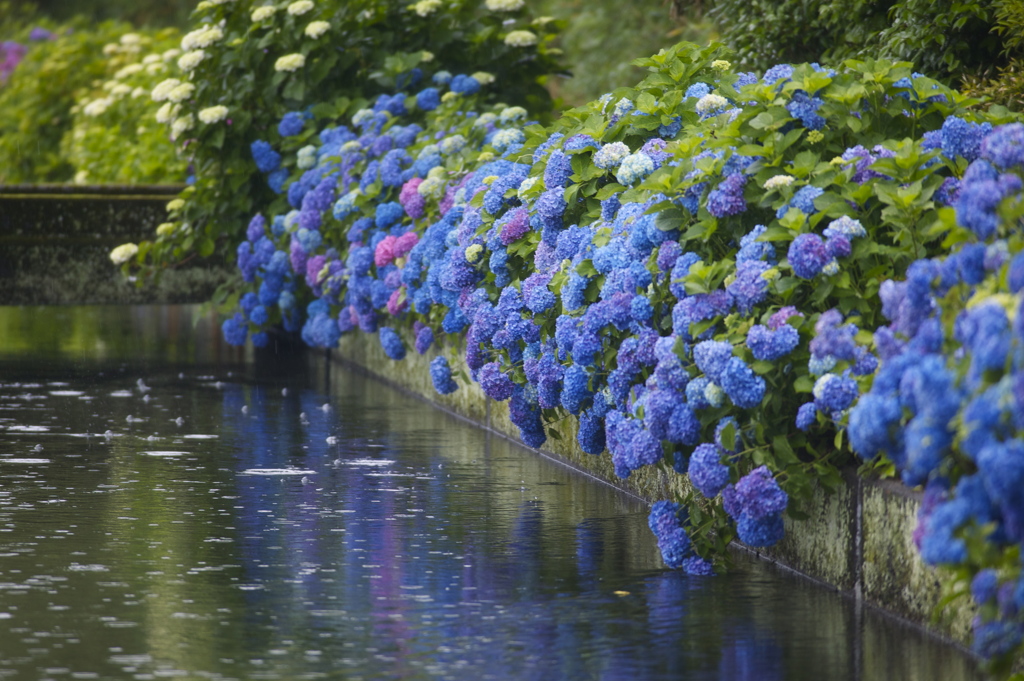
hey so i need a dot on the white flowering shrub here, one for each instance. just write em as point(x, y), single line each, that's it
point(118, 132)
point(247, 63)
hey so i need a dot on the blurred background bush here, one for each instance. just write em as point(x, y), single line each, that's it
point(52, 59)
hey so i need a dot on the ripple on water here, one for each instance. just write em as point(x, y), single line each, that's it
point(277, 471)
point(368, 462)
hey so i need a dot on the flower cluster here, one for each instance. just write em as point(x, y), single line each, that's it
point(946, 406)
point(687, 296)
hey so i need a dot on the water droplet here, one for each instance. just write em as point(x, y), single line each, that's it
point(180, 421)
point(284, 391)
point(142, 385)
point(325, 407)
point(331, 440)
point(109, 434)
point(37, 448)
point(245, 409)
point(146, 398)
point(306, 480)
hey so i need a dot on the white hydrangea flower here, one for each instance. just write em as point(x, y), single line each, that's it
point(485, 119)
point(521, 38)
point(306, 157)
point(317, 29)
point(778, 181)
point(483, 77)
point(711, 103)
point(426, 57)
point(165, 229)
point(504, 5)
point(512, 113)
point(425, 8)
point(611, 155)
point(96, 107)
point(213, 114)
point(432, 188)
point(163, 89)
point(181, 92)
point(140, 92)
point(149, 59)
point(190, 60)
point(110, 49)
point(290, 62)
point(131, 39)
point(171, 54)
point(262, 13)
point(503, 139)
point(120, 90)
point(526, 186)
point(181, 125)
point(129, 70)
point(300, 7)
point(156, 68)
point(453, 144)
point(123, 253)
point(721, 65)
point(81, 177)
point(202, 37)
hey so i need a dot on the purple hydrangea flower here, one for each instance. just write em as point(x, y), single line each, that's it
point(808, 255)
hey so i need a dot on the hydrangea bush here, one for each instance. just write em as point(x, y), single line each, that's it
point(691, 269)
point(246, 63)
point(946, 407)
point(114, 136)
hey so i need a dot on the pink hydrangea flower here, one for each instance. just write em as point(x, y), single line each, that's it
point(385, 252)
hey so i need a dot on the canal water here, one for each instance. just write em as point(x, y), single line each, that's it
point(172, 508)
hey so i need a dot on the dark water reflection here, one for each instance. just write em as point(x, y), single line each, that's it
point(277, 518)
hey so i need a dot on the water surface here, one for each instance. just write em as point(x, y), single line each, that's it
point(173, 508)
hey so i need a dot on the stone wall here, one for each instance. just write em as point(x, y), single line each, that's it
point(55, 242)
point(857, 540)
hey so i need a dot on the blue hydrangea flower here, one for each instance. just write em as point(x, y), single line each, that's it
point(805, 108)
point(441, 376)
point(291, 124)
point(666, 522)
point(803, 200)
point(428, 99)
point(1004, 146)
point(806, 416)
point(741, 384)
point(267, 160)
point(711, 357)
point(769, 345)
point(707, 472)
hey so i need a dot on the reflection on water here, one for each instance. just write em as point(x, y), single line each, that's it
point(173, 510)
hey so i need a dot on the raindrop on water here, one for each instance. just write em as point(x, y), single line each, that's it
point(245, 408)
point(331, 440)
point(325, 407)
point(37, 448)
point(142, 385)
point(284, 391)
point(180, 421)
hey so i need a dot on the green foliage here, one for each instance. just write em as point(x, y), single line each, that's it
point(603, 37)
point(944, 39)
point(36, 102)
point(384, 41)
point(1004, 84)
